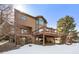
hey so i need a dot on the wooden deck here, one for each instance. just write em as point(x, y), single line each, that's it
point(46, 36)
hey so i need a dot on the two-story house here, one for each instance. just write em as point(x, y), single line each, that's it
point(25, 25)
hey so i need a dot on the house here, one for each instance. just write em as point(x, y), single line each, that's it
point(25, 25)
point(30, 29)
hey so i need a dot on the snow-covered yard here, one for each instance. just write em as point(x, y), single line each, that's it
point(54, 49)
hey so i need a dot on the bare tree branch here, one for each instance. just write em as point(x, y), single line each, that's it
point(6, 18)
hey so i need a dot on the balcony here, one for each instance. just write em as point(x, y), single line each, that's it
point(46, 31)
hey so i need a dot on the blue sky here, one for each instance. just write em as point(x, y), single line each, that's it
point(52, 12)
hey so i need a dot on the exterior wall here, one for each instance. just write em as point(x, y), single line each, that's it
point(30, 21)
point(40, 26)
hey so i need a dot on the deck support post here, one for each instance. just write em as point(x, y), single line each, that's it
point(44, 35)
point(43, 39)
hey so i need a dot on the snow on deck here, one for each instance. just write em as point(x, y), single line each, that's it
point(39, 49)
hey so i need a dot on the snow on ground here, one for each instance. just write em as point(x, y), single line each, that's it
point(39, 49)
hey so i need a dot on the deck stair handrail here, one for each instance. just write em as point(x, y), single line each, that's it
point(5, 35)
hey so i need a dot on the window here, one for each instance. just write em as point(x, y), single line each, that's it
point(23, 31)
point(40, 21)
point(23, 17)
point(37, 21)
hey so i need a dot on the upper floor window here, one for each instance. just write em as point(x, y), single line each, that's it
point(40, 21)
point(37, 21)
point(23, 17)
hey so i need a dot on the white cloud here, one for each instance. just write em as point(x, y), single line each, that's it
point(23, 8)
